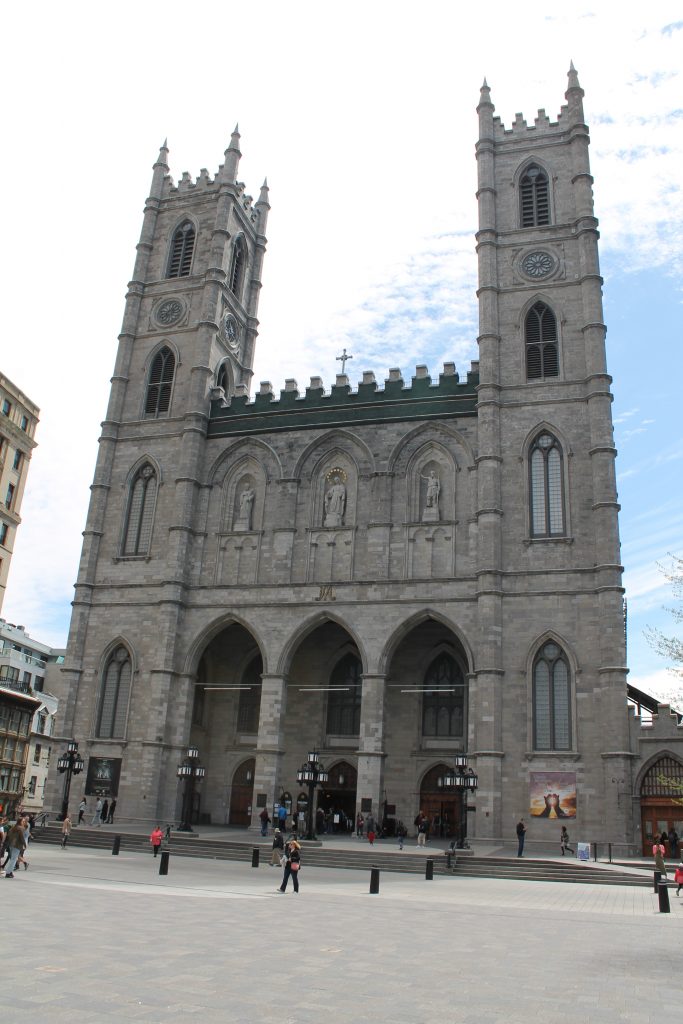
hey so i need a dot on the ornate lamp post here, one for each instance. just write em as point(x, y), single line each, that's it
point(311, 774)
point(70, 763)
point(189, 770)
point(463, 779)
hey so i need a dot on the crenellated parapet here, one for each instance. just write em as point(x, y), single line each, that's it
point(189, 186)
point(666, 724)
point(341, 405)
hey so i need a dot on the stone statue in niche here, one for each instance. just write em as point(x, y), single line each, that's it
point(430, 512)
point(335, 498)
point(246, 502)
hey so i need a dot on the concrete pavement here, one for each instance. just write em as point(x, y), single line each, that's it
point(88, 937)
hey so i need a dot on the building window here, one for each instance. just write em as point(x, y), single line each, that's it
point(160, 383)
point(140, 518)
point(182, 248)
point(38, 683)
point(9, 497)
point(546, 487)
point(6, 406)
point(223, 380)
point(236, 275)
point(18, 457)
point(4, 530)
point(42, 722)
point(534, 197)
point(33, 782)
point(540, 335)
point(552, 710)
point(36, 753)
point(114, 697)
point(345, 696)
point(24, 425)
point(9, 673)
point(443, 700)
point(249, 708)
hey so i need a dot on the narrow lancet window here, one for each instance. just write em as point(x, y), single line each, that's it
point(160, 383)
point(546, 487)
point(182, 248)
point(534, 197)
point(540, 336)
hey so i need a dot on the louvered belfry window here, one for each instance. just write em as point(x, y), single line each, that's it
point(546, 487)
point(160, 383)
point(182, 248)
point(535, 198)
point(552, 703)
point(140, 518)
point(237, 268)
point(540, 335)
point(116, 682)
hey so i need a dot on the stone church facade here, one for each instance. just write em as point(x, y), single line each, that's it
point(388, 573)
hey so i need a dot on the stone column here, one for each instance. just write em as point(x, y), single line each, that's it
point(371, 743)
point(269, 744)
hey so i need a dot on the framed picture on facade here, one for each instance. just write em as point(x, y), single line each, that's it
point(552, 794)
point(103, 776)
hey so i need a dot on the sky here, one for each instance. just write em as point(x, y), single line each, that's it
point(362, 117)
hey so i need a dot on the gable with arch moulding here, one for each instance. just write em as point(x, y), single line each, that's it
point(292, 643)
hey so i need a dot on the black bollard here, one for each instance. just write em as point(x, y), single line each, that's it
point(116, 846)
point(163, 862)
point(254, 857)
point(429, 870)
point(658, 878)
point(374, 881)
point(664, 907)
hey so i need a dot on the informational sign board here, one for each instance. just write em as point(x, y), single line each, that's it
point(583, 851)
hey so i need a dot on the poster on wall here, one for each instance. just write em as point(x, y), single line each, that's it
point(103, 776)
point(552, 794)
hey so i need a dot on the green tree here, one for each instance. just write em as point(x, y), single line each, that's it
point(671, 647)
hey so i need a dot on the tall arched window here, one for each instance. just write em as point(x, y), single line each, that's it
point(552, 703)
point(140, 515)
point(443, 701)
point(182, 248)
point(223, 378)
point(546, 487)
point(160, 383)
point(250, 698)
point(345, 695)
point(111, 721)
point(236, 275)
point(540, 335)
point(534, 197)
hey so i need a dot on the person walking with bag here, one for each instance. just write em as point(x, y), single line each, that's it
point(292, 865)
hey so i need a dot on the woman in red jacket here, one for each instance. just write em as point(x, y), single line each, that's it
point(678, 877)
point(155, 839)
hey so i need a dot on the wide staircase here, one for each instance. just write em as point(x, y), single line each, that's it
point(467, 866)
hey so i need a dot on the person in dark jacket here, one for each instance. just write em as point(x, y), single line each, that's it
point(16, 843)
point(292, 865)
point(278, 848)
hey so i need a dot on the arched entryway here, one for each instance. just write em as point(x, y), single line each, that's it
point(241, 794)
point(661, 791)
point(338, 799)
point(441, 807)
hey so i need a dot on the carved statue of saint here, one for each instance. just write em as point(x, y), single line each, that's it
point(335, 503)
point(246, 509)
point(431, 509)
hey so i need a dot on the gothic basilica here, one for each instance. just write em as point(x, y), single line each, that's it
point(391, 572)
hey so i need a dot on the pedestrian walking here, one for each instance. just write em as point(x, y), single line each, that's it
point(359, 826)
point(265, 821)
point(401, 832)
point(82, 808)
point(105, 812)
point(155, 838)
point(678, 877)
point(673, 842)
point(110, 816)
point(521, 836)
point(97, 816)
point(66, 830)
point(292, 865)
point(370, 829)
point(282, 817)
point(659, 852)
point(564, 841)
point(278, 849)
point(16, 844)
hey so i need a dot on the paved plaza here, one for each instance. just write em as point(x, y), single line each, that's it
point(90, 938)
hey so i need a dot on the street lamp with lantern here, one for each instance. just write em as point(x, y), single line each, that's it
point(189, 770)
point(70, 763)
point(311, 774)
point(463, 779)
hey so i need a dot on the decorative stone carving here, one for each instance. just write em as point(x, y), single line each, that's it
point(246, 508)
point(169, 312)
point(335, 497)
point(430, 512)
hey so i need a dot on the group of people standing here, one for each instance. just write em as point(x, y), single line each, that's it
point(104, 812)
point(14, 840)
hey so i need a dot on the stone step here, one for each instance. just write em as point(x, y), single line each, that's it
point(362, 859)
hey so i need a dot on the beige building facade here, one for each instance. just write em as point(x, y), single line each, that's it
point(389, 573)
point(18, 422)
